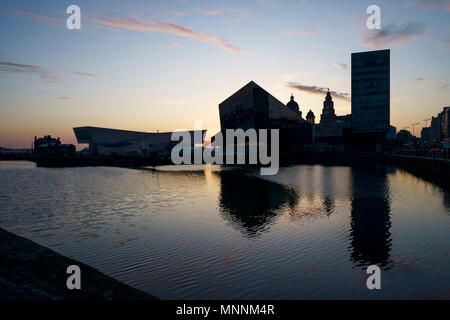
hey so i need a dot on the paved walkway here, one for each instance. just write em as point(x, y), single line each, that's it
point(29, 271)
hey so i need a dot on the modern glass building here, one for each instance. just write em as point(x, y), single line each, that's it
point(252, 107)
point(371, 92)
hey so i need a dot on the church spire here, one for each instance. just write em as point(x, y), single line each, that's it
point(328, 97)
point(328, 116)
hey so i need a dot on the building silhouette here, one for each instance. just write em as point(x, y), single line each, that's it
point(405, 137)
point(105, 141)
point(310, 117)
point(52, 146)
point(333, 130)
point(294, 106)
point(425, 136)
point(328, 116)
point(445, 115)
point(370, 99)
point(436, 128)
point(252, 107)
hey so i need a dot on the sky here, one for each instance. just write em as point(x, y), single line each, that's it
point(162, 65)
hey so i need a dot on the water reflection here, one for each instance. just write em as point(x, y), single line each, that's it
point(224, 235)
point(328, 205)
point(446, 201)
point(370, 238)
point(251, 204)
point(328, 189)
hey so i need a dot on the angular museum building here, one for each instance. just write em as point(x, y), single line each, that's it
point(104, 141)
point(253, 107)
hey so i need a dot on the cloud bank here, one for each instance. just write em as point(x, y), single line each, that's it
point(430, 4)
point(85, 74)
point(126, 22)
point(44, 74)
point(306, 32)
point(317, 90)
point(130, 23)
point(37, 15)
point(341, 65)
point(392, 34)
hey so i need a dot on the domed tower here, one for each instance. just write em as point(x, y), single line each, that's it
point(294, 106)
point(310, 117)
point(328, 117)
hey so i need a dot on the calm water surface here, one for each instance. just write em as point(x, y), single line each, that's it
point(307, 233)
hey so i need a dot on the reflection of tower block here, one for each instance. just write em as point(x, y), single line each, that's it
point(370, 236)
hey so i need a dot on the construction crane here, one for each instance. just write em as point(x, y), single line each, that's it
point(426, 122)
point(414, 127)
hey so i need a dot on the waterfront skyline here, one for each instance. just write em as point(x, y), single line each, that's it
point(160, 66)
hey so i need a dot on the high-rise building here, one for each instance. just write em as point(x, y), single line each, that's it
point(371, 96)
point(392, 133)
point(405, 137)
point(436, 128)
point(425, 136)
point(446, 122)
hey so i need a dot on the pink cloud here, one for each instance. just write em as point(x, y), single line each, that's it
point(392, 34)
point(266, 3)
point(445, 43)
point(45, 74)
point(238, 14)
point(85, 74)
point(179, 13)
point(430, 4)
point(317, 90)
point(306, 32)
point(130, 23)
point(211, 12)
point(340, 65)
point(218, 11)
point(38, 15)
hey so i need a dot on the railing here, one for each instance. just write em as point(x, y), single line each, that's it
point(423, 154)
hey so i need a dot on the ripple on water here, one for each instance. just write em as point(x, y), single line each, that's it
point(308, 232)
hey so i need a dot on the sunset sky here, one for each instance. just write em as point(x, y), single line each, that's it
point(161, 65)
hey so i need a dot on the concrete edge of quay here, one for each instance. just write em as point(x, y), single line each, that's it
point(30, 271)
